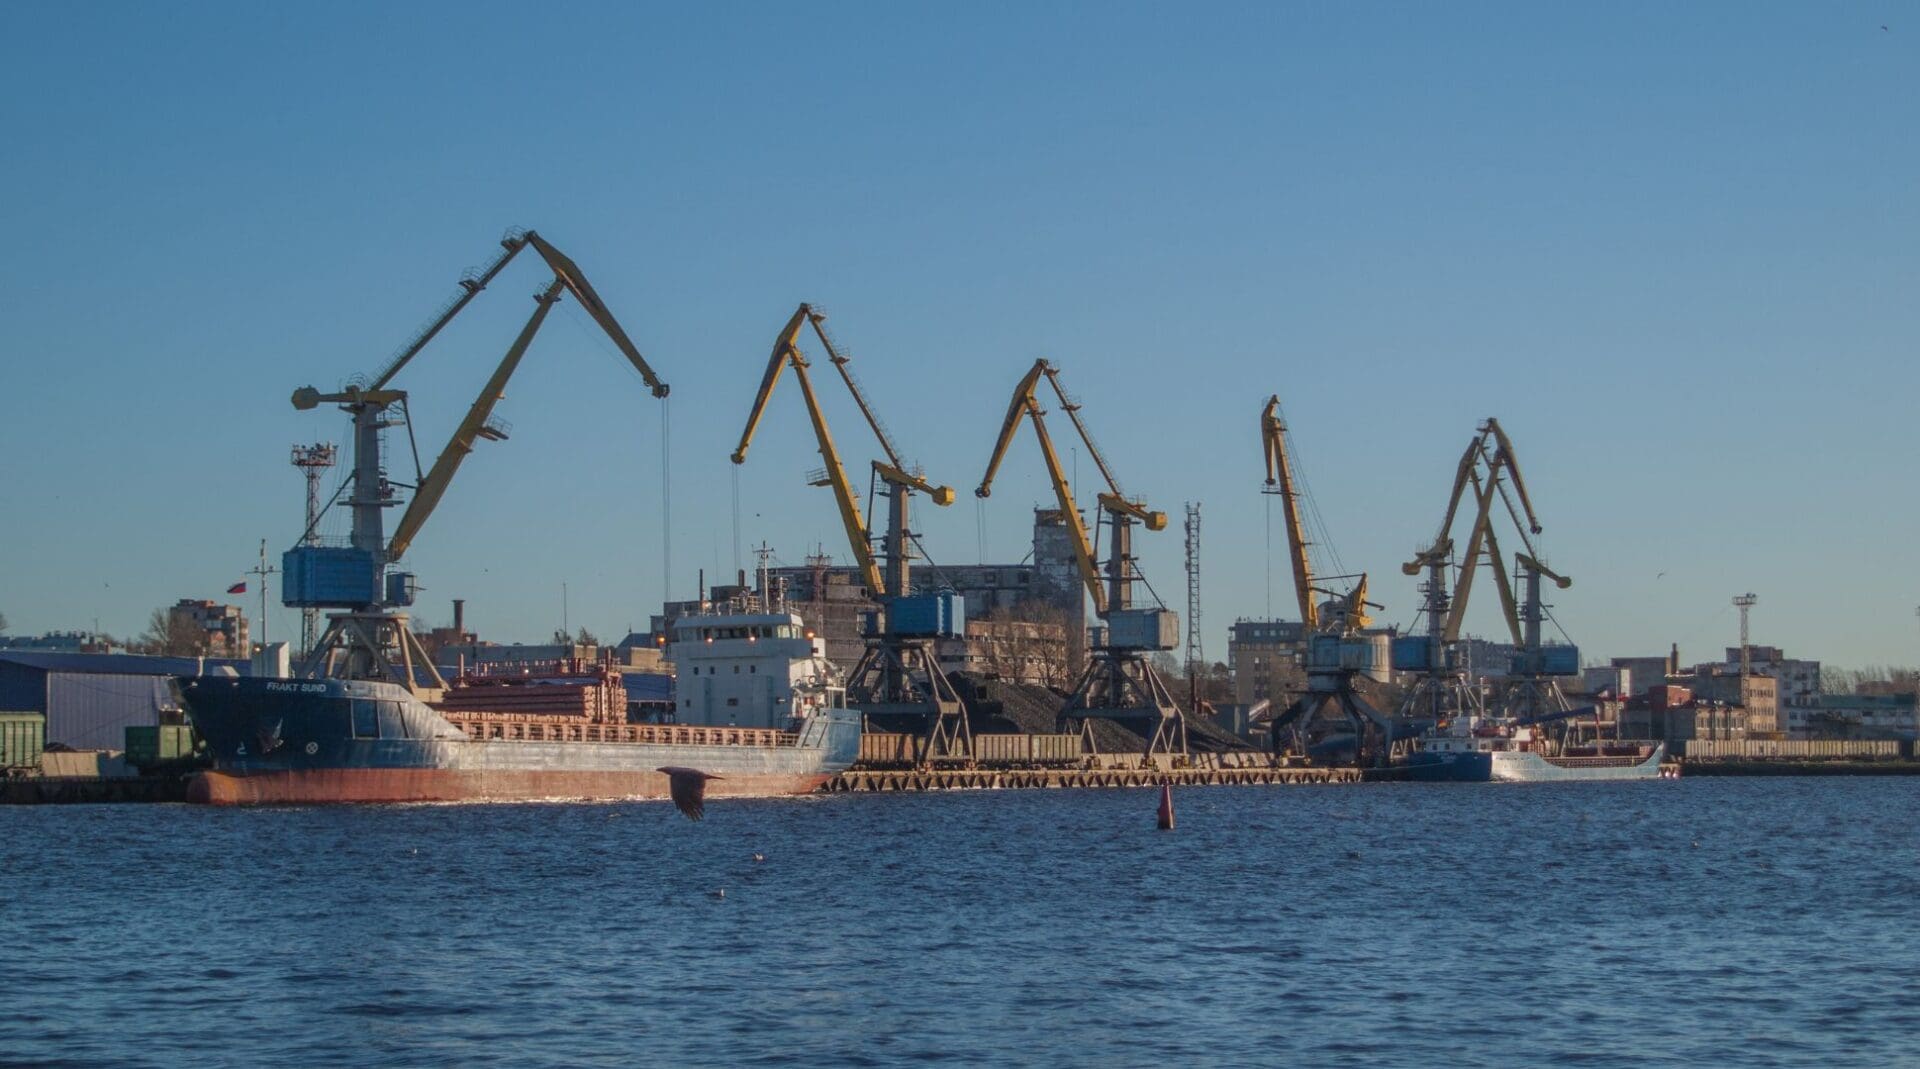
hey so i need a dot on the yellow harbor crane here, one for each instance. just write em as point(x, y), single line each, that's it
point(369, 640)
point(1488, 469)
point(1119, 682)
point(1336, 651)
point(898, 678)
point(1351, 605)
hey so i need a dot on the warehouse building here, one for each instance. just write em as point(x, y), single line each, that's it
point(90, 699)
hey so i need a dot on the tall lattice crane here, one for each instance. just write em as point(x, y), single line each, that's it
point(1119, 682)
point(898, 678)
point(1489, 470)
point(1336, 652)
point(369, 640)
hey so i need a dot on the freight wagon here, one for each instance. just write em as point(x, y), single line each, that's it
point(879, 749)
point(1794, 749)
point(22, 738)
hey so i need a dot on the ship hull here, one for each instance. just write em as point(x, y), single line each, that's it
point(1520, 766)
point(325, 786)
point(326, 741)
point(1527, 767)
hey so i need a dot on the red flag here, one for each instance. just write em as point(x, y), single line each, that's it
point(237, 588)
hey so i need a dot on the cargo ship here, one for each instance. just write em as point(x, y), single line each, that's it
point(321, 740)
point(1487, 752)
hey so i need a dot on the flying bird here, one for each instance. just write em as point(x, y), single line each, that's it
point(688, 788)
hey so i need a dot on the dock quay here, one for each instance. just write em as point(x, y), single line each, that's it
point(1799, 757)
point(75, 790)
point(963, 779)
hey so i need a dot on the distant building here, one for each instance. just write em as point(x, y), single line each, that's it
point(1674, 714)
point(1612, 680)
point(1798, 682)
point(1863, 716)
point(1483, 659)
point(1016, 651)
point(1267, 660)
point(59, 642)
point(1757, 694)
point(219, 629)
point(1645, 673)
point(833, 601)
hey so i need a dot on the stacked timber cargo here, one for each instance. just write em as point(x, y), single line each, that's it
point(594, 695)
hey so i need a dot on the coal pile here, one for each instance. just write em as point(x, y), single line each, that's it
point(996, 706)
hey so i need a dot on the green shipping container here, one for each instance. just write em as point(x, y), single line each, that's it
point(22, 737)
point(154, 745)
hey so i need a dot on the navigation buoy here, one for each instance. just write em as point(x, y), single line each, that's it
point(1166, 807)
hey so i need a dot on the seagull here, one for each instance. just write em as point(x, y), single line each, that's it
point(688, 788)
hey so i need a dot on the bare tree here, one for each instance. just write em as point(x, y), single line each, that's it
point(1028, 641)
point(3, 621)
point(1872, 678)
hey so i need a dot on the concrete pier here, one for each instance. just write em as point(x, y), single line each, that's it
point(863, 780)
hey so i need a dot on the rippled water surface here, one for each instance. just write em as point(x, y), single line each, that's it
point(1752, 922)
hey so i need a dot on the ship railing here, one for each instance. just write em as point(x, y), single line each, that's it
point(493, 729)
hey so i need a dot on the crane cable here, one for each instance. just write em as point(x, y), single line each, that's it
point(598, 340)
point(734, 471)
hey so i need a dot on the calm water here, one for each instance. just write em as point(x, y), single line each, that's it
point(1753, 922)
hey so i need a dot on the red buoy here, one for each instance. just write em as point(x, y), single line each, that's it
point(1166, 807)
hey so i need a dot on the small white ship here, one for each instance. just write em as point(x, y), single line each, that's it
point(1480, 751)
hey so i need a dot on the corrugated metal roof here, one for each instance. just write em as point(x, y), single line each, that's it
point(121, 664)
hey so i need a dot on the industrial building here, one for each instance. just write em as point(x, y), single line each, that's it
point(1675, 714)
point(1798, 683)
point(90, 699)
point(831, 600)
point(1863, 716)
point(1268, 659)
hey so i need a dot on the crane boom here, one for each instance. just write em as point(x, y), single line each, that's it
point(1506, 455)
point(563, 267)
point(786, 352)
point(470, 287)
point(840, 362)
point(367, 402)
point(426, 497)
point(1532, 563)
point(1026, 403)
point(1273, 434)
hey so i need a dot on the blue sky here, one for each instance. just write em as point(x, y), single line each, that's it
point(1672, 247)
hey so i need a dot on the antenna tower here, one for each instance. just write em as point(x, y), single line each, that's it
point(1744, 602)
point(1196, 655)
point(313, 462)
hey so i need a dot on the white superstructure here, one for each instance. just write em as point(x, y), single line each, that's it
point(749, 669)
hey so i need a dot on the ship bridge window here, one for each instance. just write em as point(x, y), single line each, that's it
point(391, 725)
point(366, 723)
